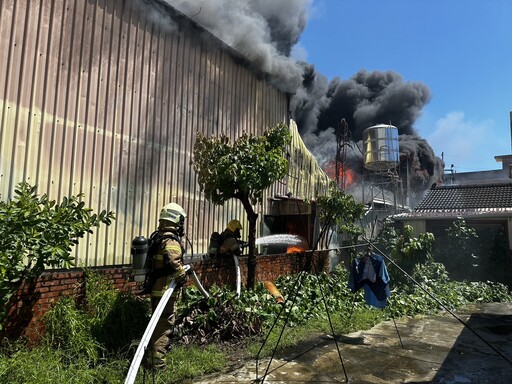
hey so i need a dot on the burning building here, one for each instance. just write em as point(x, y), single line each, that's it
point(113, 76)
point(265, 33)
point(365, 100)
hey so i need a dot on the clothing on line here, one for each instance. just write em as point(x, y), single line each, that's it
point(370, 273)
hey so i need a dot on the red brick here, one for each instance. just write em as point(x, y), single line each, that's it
point(49, 294)
point(48, 283)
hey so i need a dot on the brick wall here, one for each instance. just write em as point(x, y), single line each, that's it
point(35, 298)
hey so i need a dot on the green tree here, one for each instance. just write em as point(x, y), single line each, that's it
point(340, 210)
point(37, 233)
point(405, 249)
point(241, 170)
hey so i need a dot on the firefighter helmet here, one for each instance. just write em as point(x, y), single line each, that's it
point(174, 214)
point(233, 225)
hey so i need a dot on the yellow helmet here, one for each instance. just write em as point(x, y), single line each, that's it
point(173, 213)
point(233, 225)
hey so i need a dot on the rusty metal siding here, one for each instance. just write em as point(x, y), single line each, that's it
point(95, 98)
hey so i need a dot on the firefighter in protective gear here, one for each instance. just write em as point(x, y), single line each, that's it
point(167, 265)
point(232, 244)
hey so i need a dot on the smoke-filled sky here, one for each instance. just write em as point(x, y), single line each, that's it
point(418, 65)
point(460, 49)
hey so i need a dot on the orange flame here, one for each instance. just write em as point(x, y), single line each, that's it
point(346, 174)
point(295, 249)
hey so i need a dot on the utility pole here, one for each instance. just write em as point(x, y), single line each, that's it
point(341, 152)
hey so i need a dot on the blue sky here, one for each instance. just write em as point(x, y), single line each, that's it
point(460, 49)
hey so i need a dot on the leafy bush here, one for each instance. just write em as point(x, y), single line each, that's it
point(35, 233)
point(316, 293)
point(409, 299)
point(205, 320)
point(404, 249)
point(431, 273)
point(222, 317)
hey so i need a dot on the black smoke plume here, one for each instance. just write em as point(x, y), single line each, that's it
point(265, 31)
point(364, 100)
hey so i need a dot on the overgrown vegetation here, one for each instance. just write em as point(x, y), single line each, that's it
point(38, 233)
point(103, 324)
point(92, 338)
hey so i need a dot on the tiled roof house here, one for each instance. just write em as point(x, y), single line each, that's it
point(484, 200)
point(481, 205)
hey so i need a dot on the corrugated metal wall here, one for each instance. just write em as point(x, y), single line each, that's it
point(97, 98)
point(306, 179)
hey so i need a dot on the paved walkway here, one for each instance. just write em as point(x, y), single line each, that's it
point(437, 349)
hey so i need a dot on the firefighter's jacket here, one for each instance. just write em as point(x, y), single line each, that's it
point(167, 264)
point(230, 246)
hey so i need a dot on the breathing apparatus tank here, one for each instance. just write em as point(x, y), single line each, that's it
point(139, 252)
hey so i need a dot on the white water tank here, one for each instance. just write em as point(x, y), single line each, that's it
point(380, 144)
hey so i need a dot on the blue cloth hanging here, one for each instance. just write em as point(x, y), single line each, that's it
point(370, 273)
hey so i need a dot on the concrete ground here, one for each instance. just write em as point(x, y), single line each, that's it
point(436, 349)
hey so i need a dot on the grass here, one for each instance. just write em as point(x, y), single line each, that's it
point(192, 361)
point(45, 364)
point(361, 319)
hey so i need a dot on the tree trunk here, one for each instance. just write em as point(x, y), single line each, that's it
point(251, 261)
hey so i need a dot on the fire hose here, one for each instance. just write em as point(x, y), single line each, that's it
point(272, 289)
point(238, 277)
point(141, 349)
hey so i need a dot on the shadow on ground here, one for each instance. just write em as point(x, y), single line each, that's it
point(473, 360)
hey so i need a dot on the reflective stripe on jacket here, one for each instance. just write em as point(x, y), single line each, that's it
point(169, 254)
